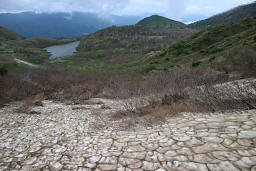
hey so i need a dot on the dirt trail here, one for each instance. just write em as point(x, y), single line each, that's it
point(64, 137)
point(25, 63)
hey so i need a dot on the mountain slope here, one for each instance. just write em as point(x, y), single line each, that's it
point(8, 35)
point(233, 15)
point(30, 24)
point(206, 47)
point(116, 45)
point(156, 21)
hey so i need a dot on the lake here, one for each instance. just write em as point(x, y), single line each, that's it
point(62, 50)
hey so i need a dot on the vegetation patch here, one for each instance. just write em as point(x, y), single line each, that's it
point(3, 70)
point(196, 64)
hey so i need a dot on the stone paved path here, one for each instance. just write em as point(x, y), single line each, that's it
point(60, 139)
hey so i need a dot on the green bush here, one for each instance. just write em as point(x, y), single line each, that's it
point(195, 46)
point(165, 69)
point(3, 70)
point(212, 58)
point(196, 64)
point(162, 54)
point(150, 67)
point(246, 43)
point(202, 51)
point(167, 59)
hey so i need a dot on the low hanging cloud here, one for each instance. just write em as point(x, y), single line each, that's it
point(175, 9)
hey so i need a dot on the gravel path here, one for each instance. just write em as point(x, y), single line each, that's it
point(25, 63)
point(61, 138)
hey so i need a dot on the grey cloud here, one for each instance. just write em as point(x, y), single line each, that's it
point(175, 9)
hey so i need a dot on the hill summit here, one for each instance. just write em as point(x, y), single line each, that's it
point(156, 20)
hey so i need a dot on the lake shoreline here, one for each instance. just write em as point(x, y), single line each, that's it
point(58, 51)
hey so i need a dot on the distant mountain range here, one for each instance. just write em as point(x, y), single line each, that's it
point(51, 25)
point(30, 24)
point(238, 13)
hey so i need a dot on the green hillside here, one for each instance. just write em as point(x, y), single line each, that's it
point(233, 15)
point(117, 45)
point(206, 47)
point(8, 35)
point(138, 48)
point(159, 21)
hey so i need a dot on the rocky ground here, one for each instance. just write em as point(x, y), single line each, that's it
point(82, 137)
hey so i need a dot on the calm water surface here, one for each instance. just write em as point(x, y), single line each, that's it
point(62, 50)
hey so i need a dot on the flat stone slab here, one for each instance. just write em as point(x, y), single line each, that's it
point(65, 137)
point(247, 134)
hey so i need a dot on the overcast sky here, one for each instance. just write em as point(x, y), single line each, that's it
point(174, 9)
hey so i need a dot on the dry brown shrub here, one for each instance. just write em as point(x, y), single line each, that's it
point(119, 114)
point(27, 104)
point(172, 87)
point(172, 92)
point(13, 87)
point(157, 113)
point(241, 61)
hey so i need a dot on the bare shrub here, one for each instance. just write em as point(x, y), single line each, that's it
point(151, 97)
point(190, 91)
point(240, 94)
point(170, 99)
point(14, 88)
point(54, 85)
point(157, 113)
point(240, 61)
point(168, 94)
point(27, 105)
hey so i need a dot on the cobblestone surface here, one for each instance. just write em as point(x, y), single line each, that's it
point(60, 138)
